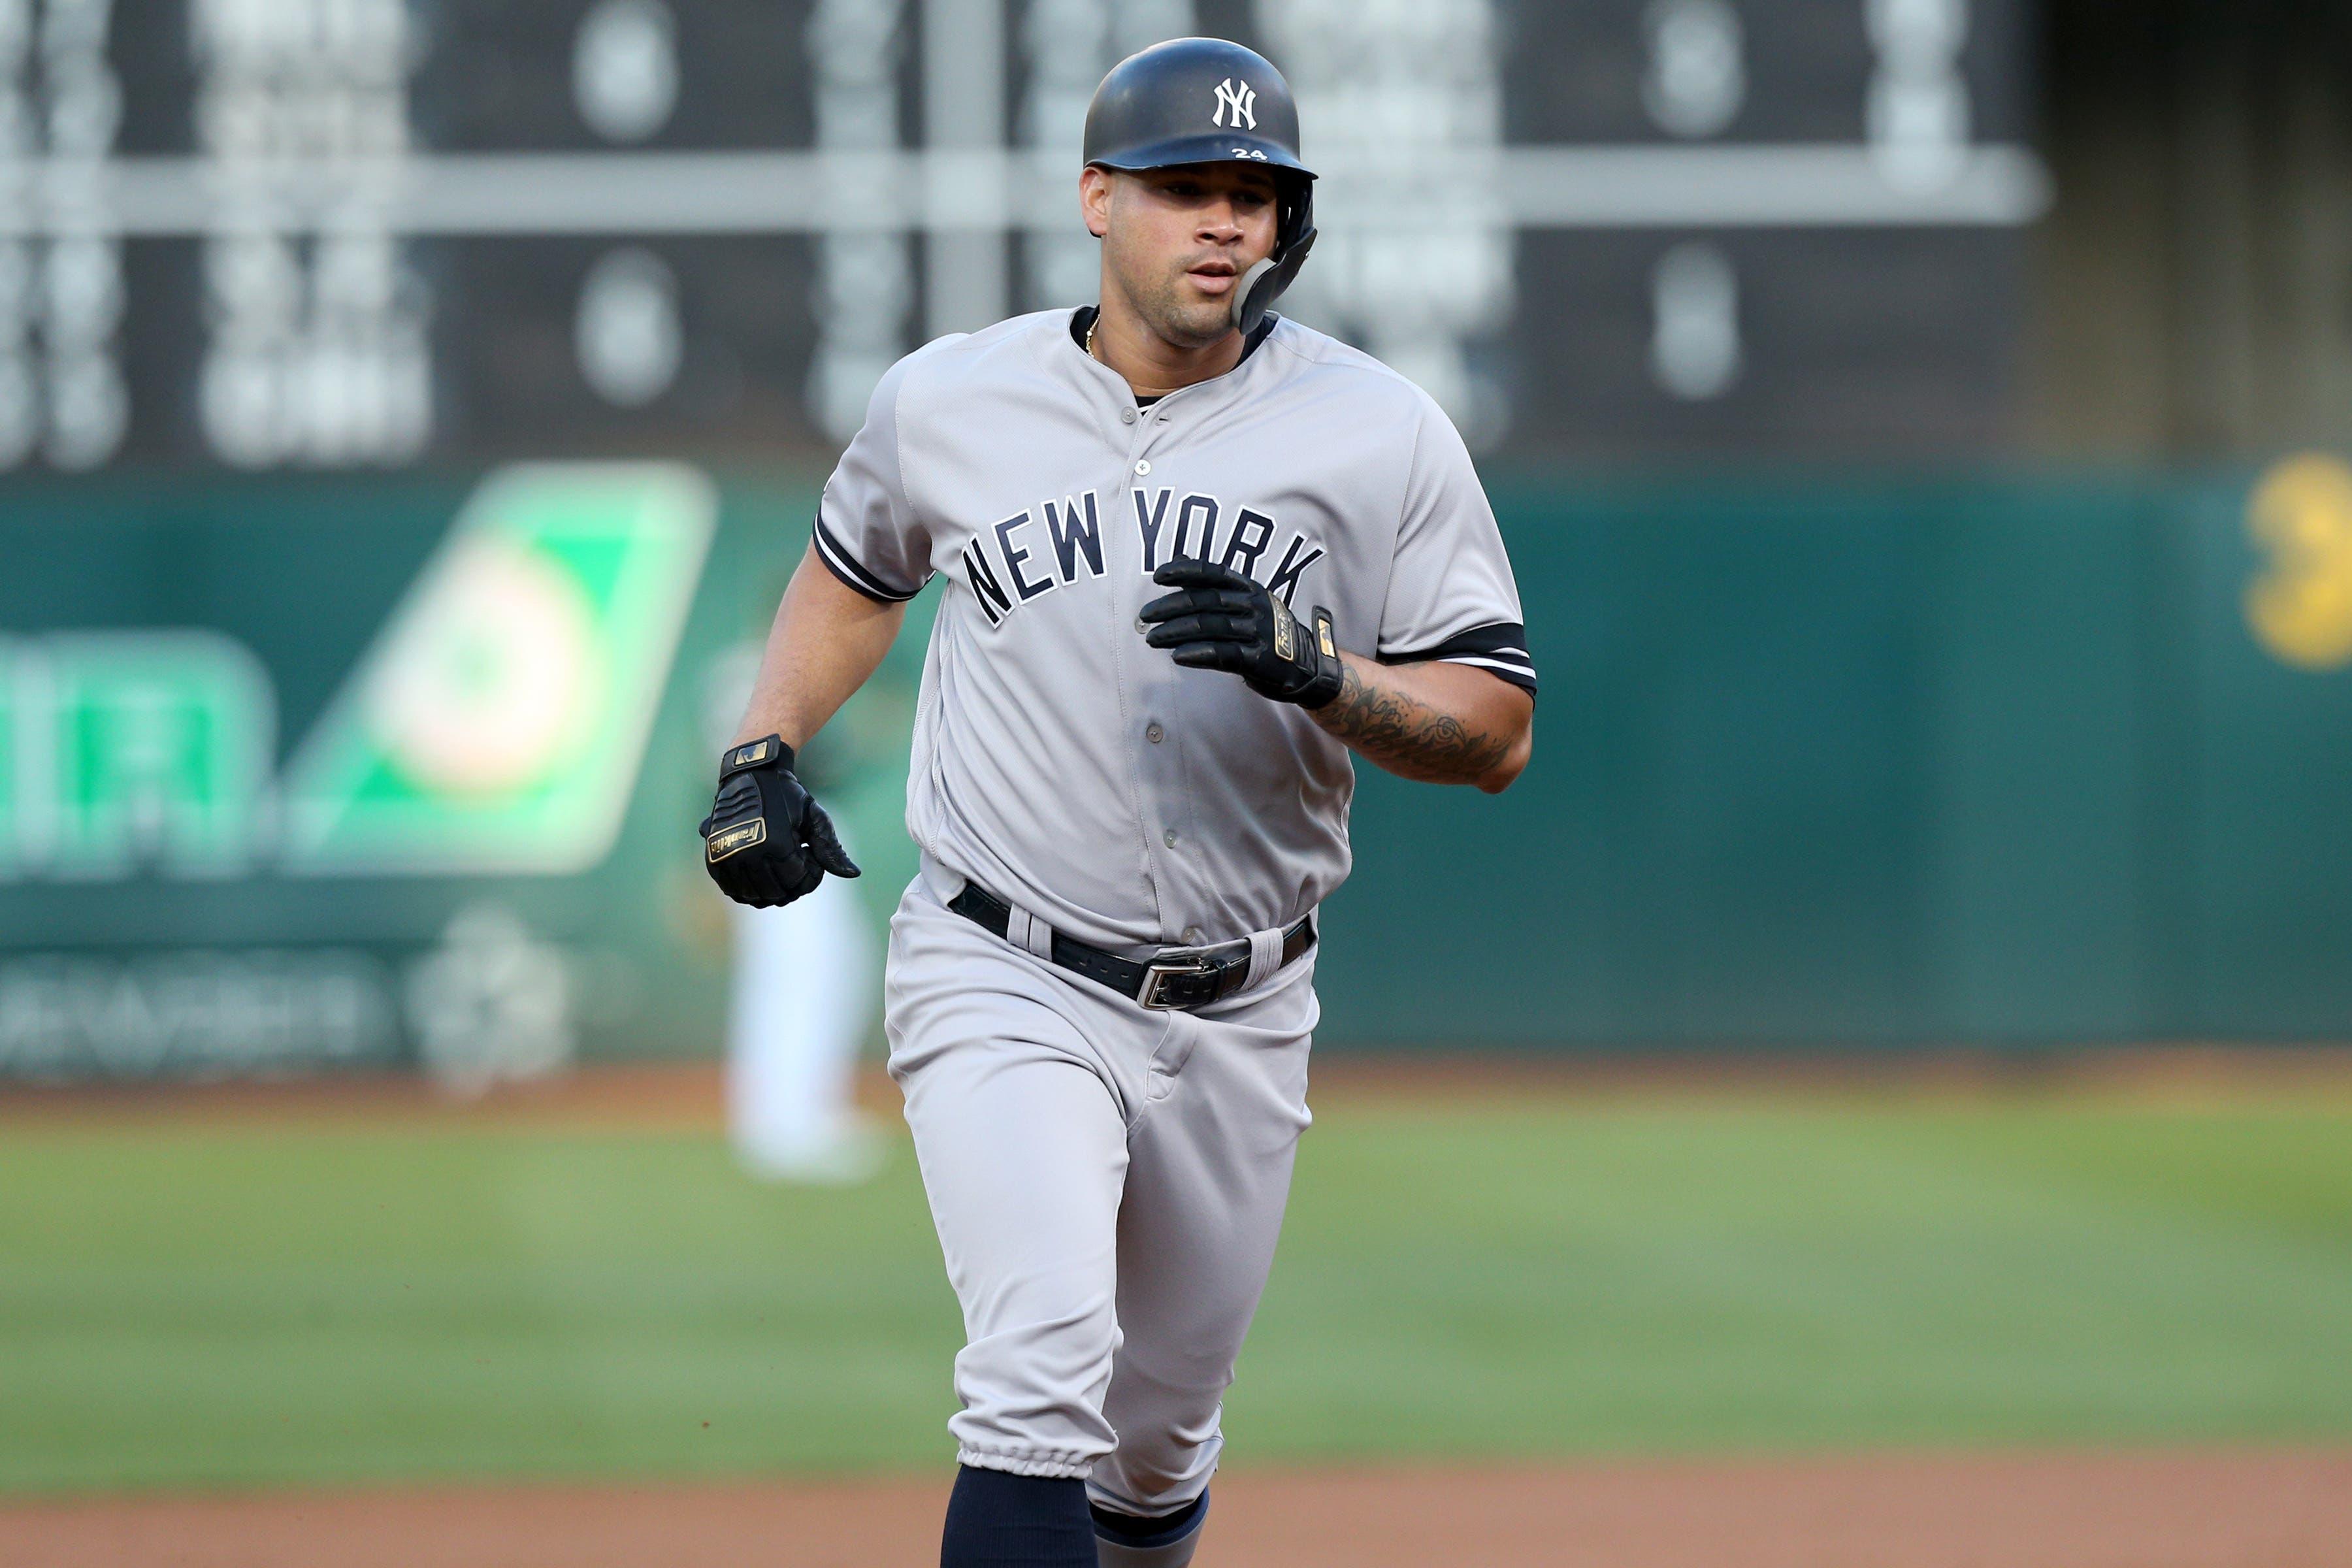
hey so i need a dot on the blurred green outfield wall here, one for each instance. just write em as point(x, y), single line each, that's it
point(1886, 764)
point(1818, 760)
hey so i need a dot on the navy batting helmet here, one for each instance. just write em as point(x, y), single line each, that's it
point(1205, 100)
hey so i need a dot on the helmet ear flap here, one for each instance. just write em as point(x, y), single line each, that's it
point(1294, 237)
point(1263, 284)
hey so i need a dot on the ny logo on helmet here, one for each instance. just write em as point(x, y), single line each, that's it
point(1242, 100)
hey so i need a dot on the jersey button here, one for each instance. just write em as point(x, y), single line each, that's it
point(1128, 417)
point(1143, 465)
point(1169, 838)
point(1191, 936)
point(1152, 733)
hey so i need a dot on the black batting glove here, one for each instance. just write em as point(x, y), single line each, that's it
point(1220, 619)
point(766, 842)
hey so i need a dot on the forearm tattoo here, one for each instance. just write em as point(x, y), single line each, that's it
point(1406, 735)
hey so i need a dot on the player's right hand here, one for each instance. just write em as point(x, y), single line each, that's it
point(767, 841)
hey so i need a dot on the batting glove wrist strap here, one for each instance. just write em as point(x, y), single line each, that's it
point(768, 751)
point(1220, 619)
point(767, 841)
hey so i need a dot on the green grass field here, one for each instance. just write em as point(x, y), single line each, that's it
point(260, 1304)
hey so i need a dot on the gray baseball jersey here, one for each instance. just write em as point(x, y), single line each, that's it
point(1060, 761)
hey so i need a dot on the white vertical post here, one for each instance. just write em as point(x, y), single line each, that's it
point(864, 282)
point(965, 284)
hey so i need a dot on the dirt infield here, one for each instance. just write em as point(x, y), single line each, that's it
point(2284, 1509)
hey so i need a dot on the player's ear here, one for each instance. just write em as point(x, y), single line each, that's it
point(1094, 199)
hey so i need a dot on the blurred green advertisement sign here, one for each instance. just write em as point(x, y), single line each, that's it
point(127, 747)
point(495, 726)
point(499, 722)
point(1908, 762)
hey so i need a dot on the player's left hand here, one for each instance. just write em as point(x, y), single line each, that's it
point(1220, 619)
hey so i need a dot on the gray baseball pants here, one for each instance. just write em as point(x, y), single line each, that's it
point(1107, 1183)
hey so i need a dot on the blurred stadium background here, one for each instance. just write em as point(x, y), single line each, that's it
point(1920, 428)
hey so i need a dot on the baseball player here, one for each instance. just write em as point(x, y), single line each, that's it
point(1194, 554)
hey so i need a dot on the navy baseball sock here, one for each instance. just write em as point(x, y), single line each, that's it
point(999, 1520)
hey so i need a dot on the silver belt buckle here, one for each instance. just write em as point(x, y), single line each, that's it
point(1159, 970)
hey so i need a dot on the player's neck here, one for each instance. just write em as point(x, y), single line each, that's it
point(1152, 364)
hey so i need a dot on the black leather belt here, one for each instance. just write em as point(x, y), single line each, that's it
point(1180, 979)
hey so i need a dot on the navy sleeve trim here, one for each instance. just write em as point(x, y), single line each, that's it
point(1500, 648)
point(846, 566)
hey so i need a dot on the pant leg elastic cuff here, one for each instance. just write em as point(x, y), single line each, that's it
point(1060, 1466)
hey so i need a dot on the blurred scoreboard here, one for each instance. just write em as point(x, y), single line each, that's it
point(352, 233)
